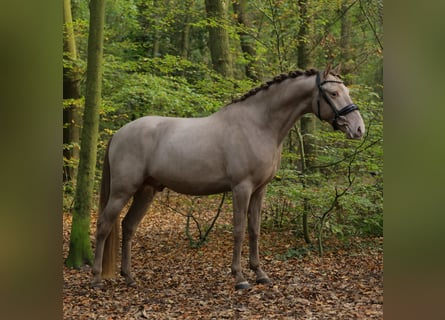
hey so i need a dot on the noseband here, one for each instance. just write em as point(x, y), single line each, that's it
point(345, 110)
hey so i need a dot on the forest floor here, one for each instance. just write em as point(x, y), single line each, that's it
point(176, 281)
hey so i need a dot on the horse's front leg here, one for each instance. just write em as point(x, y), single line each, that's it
point(254, 215)
point(241, 197)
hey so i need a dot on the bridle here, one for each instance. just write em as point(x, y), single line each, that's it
point(343, 111)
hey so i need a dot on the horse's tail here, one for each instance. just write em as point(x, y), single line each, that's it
point(112, 242)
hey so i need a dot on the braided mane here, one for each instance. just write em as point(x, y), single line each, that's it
point(276, 79)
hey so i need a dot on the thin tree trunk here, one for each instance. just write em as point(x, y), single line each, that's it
point(80, 247)
point(185, 44)
point(345, 40)
point(246, 41)
point(219, 37)
point(71, 90)
point(307, 122)
point(306, 206)
point(303, 51)
point(156, 40)
point(185, 35)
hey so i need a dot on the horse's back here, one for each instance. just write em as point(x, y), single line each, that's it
point(183, 154)
point(192, 155)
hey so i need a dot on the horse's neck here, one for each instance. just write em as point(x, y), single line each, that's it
point(277, 108)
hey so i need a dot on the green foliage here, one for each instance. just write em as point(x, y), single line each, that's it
point(299, 252)
point(167, 86)
point(138, 81)
point(360, 210)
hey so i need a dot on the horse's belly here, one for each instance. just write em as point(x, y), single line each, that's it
point(194, 185)
point(200, 190)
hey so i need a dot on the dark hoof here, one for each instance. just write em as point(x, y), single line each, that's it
point(128, 280)
point(263, 281)
point(242, 285)
point(97, 285)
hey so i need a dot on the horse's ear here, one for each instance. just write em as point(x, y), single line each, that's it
point(337, 69)
point(327, 70)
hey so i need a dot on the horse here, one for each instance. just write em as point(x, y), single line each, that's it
point(237, 149)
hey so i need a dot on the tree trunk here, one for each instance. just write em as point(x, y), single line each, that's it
point(219, 37)
point(307, 122)
point(304, 58)
point(71, 91)
point(157, 33)
point(345, 40)
point(185, 35)
point(80, 248)
point(246, 41)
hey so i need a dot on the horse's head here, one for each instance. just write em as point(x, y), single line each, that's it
point(333, 104)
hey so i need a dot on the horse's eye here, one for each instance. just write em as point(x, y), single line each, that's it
point(334, 94)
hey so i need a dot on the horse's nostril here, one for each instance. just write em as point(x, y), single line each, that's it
point(359, 131)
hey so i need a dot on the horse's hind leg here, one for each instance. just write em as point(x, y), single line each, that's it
point(104, 225)
point(254, 216)
point(141, 201)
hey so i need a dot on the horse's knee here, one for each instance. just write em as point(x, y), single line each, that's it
point(253, 234)
point(128, 229)
point(102, 233)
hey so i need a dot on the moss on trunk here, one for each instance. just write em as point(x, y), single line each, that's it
point(219, 37)
point(80, 247)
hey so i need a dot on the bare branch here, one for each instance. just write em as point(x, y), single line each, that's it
point(334, 202)
point(370, 24)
